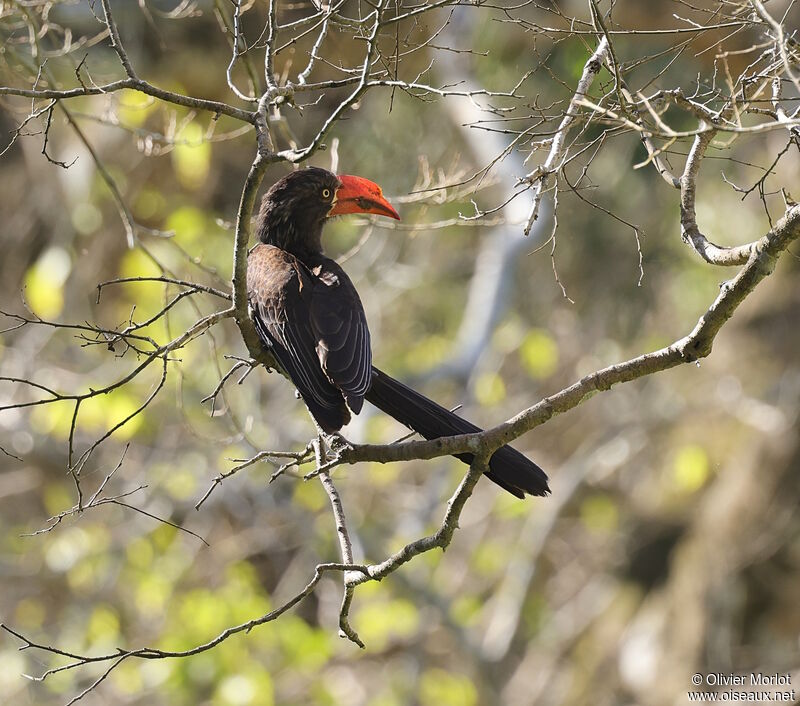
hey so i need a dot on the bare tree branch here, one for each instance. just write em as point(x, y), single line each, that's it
point(542, 175)
point(397, 47)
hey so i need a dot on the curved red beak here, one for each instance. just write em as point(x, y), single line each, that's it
point(359, 195)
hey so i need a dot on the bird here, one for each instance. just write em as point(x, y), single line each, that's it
point(308, 314)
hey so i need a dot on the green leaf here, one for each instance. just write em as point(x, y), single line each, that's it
point(191, 158)
point(539, 354)
point(44, 282)
point(440, 688)
point(599, 513)
point(379, 622)
point(103, 625)
point(134, 107)
point(490, 389)
point(189, 224)
point(691, 468)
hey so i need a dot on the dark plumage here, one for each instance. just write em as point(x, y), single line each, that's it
point(307, 311)
point(311, 317)
point(293, 211)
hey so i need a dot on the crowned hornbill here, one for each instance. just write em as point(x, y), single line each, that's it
point(308, 313)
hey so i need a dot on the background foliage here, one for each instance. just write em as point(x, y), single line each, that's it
point(671, 544)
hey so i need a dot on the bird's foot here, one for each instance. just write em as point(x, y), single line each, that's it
point(337, 443)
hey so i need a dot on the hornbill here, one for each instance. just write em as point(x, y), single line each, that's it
point(308, 313)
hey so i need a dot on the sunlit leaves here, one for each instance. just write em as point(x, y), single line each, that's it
point(690, 468)
point(30, 613)
point(310, 496)
point(490, 389)
point(440, 688)
point(380, 621)
point(201, 614)
point(44, 282)
point(163, 537)
point(599, 513)
point(489, 557)
point(539, 354)
point(383, 474)
point(304, 647)
point(191, 157)
point(140, 300)
point(91, 573)
point(56, 497)
point(97, 414)
point(106, 411)
point(104, 626)
point(149, 204)
point(53, 418)
point(424, 353)
point(134, 107)
point(152, 593)
point(140, 553)
point(188, 223)
point(506, 506)
point(245, 689)
point(466, 609)
point(181, 484)
point(127, 679)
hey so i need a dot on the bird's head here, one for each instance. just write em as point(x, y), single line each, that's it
point(294, 210)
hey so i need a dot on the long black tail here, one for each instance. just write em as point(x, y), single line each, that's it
point(507, 467)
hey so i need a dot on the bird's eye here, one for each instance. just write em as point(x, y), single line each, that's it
point(326, 193)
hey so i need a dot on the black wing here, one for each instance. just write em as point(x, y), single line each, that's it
point(340, 327)
point(314, 323)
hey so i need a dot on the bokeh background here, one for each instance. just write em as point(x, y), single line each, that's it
point(671, 543)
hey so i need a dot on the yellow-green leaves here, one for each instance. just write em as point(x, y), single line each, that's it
point(310, 496)
point(149, 204)
point(691, 468)
point(426, 352)
point(380, 621)
point(134, 107)
point(136, 264)
point(303, 646)
point(599, 513)
point(103, 628)
point(245, 689)
point(44, 282)
point(191, 157)
point(440, 688)
point(188, 223)
point(105, 411)
point(30, 613)
point(490, 389)
point(539, 354)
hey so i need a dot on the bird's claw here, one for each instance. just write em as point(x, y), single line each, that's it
point(337, 443)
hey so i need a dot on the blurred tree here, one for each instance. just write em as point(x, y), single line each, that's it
point(670, 545)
